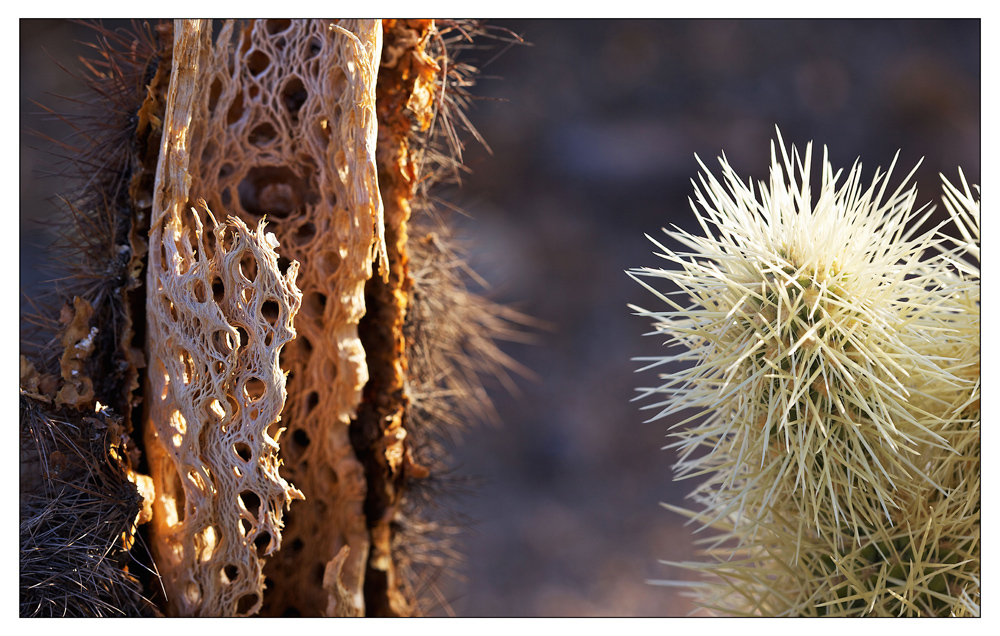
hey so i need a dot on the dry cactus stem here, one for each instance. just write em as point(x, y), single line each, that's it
point(257, 144)
point(428, 340)
point(279, 367)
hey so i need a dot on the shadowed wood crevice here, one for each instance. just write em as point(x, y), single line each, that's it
point(379, 433)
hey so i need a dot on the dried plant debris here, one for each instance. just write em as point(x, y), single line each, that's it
point(78, 515)
point(429, 340)
point(108, 161)
point(320, 357)
point(78, 528)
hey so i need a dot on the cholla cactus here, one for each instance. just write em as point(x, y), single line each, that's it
point(170, 350)
point(831, 370)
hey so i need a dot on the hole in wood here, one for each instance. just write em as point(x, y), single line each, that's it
point(243, 451)
point(254, 389)
point(293, 95)
point(246, 603)
point(258, 62)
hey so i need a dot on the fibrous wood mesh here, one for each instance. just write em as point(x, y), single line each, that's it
point(283, 126)
point(219, 312)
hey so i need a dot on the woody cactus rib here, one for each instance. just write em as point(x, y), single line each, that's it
point(824, 352)
point(215, 381)
point(285, 128)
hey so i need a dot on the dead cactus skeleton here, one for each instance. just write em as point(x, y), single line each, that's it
point(271, 359)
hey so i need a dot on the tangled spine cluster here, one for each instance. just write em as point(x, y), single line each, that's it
point(828, 356)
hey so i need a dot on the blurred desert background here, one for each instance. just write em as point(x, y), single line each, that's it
point(593, 126)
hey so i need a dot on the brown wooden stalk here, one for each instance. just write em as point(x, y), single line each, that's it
point(379, 433)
